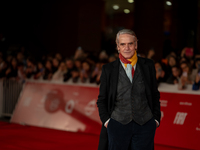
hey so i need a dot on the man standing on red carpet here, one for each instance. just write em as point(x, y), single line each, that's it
point(128, 100)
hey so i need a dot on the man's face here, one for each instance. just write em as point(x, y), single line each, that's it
point(126, 45)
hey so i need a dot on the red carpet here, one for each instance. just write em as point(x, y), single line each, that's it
point(19, 137)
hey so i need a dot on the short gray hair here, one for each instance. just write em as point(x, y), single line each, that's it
point(126, 31)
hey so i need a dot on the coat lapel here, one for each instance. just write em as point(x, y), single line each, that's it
point(138, 69)
point(145, 73)
point(114, 78)
point(137, 72)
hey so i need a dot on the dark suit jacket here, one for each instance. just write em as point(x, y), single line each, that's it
point(108, 89)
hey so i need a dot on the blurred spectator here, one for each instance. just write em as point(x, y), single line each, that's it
point(175, 77)
point(3, 67)
point(173, 54)
point(182, 59)
point(48, 70)
point(171, 61)
point(55, 64)
point(142, 55)
point(116, 54)
point(21, 72)
point(12, 71)
point(99, 74)
point(23, 51)
point(197, 56)
point(96, 72)
point(111, 58)
point(196, 84)
point(85, 72)
point(31, 68)
point(78, 64)
point(40, 71)
point(9, 58)
point(58, 56)
point(188, 53)
point(160, 73)
point(183, 53)
point(91, 59)
point(20, 58)
point(151, 53)
point(59, 74)
point(103, 56)
point(79, 54)
point(196, 65)
point(187, 77)
point(72, 71)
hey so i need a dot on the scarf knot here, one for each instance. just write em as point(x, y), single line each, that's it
point(132, 60)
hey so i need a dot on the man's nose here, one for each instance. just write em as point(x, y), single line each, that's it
point(126, 46)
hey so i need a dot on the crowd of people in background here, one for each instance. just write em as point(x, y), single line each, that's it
point(181, 70)
point(83, 67)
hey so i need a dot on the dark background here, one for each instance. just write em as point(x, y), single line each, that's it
point(48, 27)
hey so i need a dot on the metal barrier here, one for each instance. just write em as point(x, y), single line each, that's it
point(9, 92)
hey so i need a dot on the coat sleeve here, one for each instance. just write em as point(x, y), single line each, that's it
point(155, 93)
point(102, 102)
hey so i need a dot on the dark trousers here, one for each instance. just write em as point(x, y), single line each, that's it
point(131, 136)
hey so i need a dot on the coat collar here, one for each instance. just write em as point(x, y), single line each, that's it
point(116, 65)
point(141, 60)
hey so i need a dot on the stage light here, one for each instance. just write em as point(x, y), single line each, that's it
point(126, 11)
point(130, 1)
point(168, 3)
point(115, 7)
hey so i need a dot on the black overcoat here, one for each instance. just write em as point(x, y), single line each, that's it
point(108, 89)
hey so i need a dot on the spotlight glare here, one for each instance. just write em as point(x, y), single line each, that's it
point(115, 7)
point(126, 11)
point(168, 3)
point(130, 1)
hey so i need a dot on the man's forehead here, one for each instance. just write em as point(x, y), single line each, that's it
point(126, 37)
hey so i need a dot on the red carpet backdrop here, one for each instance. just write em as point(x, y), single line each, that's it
point(58, 106)
point(73, 108)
